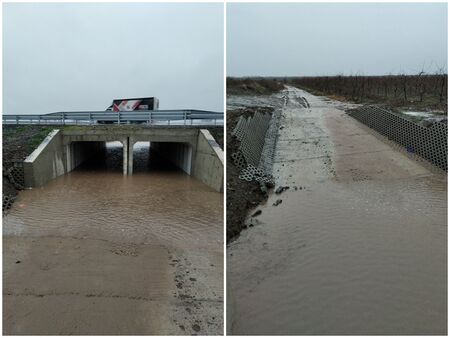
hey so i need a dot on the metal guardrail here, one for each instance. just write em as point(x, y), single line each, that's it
point(149, 117)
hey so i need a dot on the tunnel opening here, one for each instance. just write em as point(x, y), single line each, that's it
point(96, 156)
point(147, 159)
point(158, 156)
point(145, 156)
point(176, 155)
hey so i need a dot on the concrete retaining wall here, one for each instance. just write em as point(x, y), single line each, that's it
point(209, 161)
point(52, 158)
point(46, 162)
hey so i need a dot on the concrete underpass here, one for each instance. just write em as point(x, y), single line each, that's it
point(194, 151)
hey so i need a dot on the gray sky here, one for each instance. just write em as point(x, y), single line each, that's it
point(62, 57)
point(331, 38)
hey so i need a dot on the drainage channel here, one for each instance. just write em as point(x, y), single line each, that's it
point(356, 245)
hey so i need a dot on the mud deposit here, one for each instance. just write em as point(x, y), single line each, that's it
point(358, 243)
point(94, 252)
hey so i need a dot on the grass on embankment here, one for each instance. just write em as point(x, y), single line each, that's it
point(18, 143)
point(21, 141)
point(253, 86)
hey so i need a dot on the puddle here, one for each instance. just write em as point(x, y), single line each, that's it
point(158, 204)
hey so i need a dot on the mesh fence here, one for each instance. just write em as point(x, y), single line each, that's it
point(428, 142)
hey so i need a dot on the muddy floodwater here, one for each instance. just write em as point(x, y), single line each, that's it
point(96, 252)
point(358, 244)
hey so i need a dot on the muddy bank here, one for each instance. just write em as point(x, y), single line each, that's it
point(241, 195)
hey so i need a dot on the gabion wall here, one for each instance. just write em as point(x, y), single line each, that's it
point(7, 202)
point(428, 142)
point(16, 177)
point(251, 132)
point(268, 152)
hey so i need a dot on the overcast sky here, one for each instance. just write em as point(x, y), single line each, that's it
point(328, 39)
point(63, 57)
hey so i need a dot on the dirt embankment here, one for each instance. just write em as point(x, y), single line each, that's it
point(241, 195)
point(18, 143)
point(253, 86)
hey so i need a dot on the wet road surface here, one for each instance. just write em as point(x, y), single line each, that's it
point(358, 244)
point(94, 252)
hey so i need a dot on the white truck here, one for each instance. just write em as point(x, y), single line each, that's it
point(132, 104)
point(140, 103)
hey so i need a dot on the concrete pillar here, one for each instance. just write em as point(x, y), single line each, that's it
point(69, 157)
point(189, 164)
point(125, 156)
point(130, 156)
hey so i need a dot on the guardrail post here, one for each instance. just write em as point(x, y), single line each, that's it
point(184, 118)
point(118, 118)
point(17, 119)
point(63, 117)
point(39, 119)
point(90, 118)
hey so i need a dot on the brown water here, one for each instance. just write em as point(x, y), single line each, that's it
point(103, 253)
point(358, 244)
point(162, 205)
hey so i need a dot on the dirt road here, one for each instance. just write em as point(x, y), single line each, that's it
point(94, 252)
point(356, 245)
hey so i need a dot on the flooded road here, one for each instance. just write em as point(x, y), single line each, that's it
point(96, 252)
point(358, 244)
